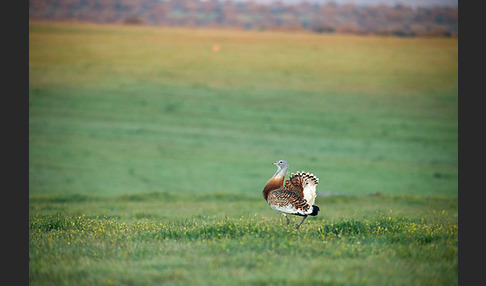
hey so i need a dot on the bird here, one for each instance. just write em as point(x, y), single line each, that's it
point(296, 197)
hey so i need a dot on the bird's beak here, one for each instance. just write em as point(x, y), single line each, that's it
point(275, 163)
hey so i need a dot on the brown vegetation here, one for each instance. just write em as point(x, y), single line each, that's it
point(400, 20)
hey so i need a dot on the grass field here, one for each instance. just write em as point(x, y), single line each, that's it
point(148, 152)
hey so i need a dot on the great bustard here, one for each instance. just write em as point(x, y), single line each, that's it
point(298, 195)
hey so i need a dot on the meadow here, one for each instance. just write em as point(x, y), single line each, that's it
point(149, 149)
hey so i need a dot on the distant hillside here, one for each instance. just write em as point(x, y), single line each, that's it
point(399, 20)
point(413, 3)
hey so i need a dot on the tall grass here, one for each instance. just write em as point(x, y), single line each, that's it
point(408, 241)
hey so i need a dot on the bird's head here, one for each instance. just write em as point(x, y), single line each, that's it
point(282, 167)
point(281, 163)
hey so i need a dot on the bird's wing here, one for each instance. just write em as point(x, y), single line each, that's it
point(304, 185)
point(295, 184)
point(289, 202)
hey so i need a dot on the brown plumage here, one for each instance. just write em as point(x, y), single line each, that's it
point(296, 197)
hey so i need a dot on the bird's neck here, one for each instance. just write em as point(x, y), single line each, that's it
point(274, 183)
point(281, 171)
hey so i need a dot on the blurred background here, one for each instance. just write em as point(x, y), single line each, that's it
point(133, 97)
point(383, 17)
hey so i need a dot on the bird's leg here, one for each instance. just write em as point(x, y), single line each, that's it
point(288, 220)
point(297, 227)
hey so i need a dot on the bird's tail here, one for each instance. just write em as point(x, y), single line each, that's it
point(304, 178)
point(315, 210)
point(307, 182)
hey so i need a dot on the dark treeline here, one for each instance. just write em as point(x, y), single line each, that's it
point(399, 20)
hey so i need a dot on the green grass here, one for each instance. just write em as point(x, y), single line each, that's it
point(148, 153)
point(217, 239)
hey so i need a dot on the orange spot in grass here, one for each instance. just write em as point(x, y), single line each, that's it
point(216, 48)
